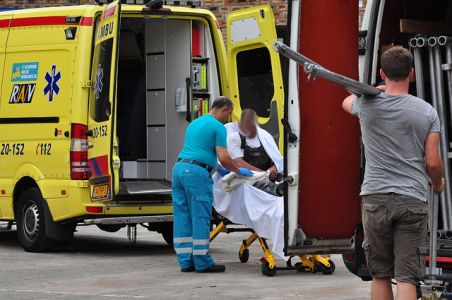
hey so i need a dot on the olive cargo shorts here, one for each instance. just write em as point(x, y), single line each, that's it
point(394, 228)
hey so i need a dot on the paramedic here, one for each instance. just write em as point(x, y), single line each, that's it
point(205, 141)
point(248, 146)
point(401, 136)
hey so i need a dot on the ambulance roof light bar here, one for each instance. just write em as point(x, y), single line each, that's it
point(187, 3)
point(156, 4)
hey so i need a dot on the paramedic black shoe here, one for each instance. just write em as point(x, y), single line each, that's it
point(189, 269)
point(213, 269)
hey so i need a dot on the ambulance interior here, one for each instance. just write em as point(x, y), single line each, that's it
point(402, 21)
point(167, 76)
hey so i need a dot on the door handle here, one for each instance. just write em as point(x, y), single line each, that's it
point(292, 137)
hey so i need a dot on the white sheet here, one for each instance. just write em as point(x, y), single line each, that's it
point(267, 141)
point(232, 180)
point(255, 209)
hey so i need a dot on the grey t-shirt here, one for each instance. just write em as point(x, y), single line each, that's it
point(394, 130)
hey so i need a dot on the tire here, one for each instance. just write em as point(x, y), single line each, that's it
point(31, 222)
point(110, 228)
point(244, 256)
point(266, 270)
point(324, 269)
point(301, 268)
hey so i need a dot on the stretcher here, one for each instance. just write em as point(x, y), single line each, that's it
point(272, 213)
point(307, 263)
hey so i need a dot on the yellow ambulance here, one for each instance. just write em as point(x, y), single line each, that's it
point(95, 99)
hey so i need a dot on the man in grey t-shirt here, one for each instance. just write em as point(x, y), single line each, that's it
point(400, 134)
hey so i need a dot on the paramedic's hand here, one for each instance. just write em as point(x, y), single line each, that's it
point(245, 172)
point(223, 171)
point(273, 173)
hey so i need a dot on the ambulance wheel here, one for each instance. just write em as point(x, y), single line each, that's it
point(324, 269)
point(31, 227)
point(244, 256)
point(266, 270)
point(110, 227)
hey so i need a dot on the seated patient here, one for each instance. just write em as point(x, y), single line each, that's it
point(252, 147)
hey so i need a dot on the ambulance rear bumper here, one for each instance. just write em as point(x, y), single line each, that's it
point(129, 220)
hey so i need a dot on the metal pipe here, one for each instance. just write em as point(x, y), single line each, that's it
point(448, 68)
point(432, 41)
point(439, 234)
point(448, 234)
point(421, 42)
point(444, 143)
point(433, 236)
point(316, 70)
point(419, 72)
point(432, 74)
point(412, 42)
point(444, 40)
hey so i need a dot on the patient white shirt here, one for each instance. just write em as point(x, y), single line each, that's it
point(235, 144)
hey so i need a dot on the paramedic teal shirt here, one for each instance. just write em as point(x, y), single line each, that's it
point(201, 138)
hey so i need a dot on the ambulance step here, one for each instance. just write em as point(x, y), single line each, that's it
point(145, 188)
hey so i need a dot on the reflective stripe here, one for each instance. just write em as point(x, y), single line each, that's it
point(200, 252)
point(201, 242)
point(183, 250)
point(183, 240)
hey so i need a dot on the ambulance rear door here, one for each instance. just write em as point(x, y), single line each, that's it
point(323, 166)
point(255, 76)
point(102, 144)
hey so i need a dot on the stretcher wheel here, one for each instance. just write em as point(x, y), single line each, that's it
point(301, 268)
point(324, 269)
point(266, 270)
point(244, 256)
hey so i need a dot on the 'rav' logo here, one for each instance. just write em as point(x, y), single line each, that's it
point(22, 93)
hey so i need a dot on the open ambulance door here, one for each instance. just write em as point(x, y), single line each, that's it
point(322, 153)
point(103, 156)
point(255, 78)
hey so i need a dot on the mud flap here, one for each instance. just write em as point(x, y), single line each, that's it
point(58, 232)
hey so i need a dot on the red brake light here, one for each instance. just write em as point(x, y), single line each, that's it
point(78, 131)
point(95, 209)
point(79, 152)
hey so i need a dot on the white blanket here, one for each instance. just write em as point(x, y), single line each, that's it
point(232, 180)
point(255, 209)
point(267, 141)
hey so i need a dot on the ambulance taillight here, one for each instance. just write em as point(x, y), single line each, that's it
point(79, 152)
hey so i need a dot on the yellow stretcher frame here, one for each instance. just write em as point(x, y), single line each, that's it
point(308, 263)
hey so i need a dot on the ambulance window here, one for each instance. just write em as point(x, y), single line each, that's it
point(100, 106)
point(255, 80)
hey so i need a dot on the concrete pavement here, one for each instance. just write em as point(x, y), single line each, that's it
point(99, 265)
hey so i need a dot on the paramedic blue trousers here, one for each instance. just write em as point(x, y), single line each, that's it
point(192, 209)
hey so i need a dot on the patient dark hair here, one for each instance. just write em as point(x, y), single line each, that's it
point(222, 102)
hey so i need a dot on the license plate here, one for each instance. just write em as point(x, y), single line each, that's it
point(100, 192)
